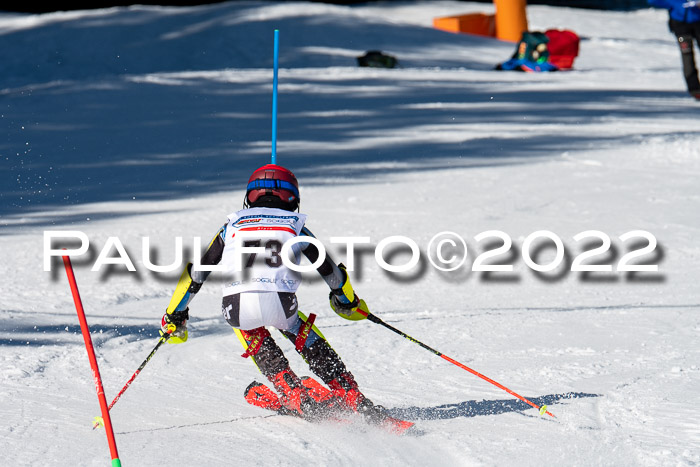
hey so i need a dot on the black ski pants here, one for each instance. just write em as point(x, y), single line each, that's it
point(685, 33)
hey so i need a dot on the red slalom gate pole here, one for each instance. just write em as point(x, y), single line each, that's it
point(93, 362)
point(542, 409)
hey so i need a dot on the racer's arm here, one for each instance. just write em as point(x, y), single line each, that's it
point(330, 272)
point(177, 313)
point(343, 298)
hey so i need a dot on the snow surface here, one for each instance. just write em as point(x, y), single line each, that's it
point(146, 122)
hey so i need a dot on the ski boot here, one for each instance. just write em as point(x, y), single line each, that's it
point(347, 394)
point(295, 397)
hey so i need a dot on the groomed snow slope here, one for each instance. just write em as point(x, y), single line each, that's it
point(146, 122)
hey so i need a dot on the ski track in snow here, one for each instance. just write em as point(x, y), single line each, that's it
point(147, 121)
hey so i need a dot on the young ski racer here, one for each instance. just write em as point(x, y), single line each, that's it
point(259, 291)
point(684, 22)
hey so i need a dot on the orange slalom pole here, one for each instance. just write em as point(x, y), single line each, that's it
point(543, 409)
point(511, 19)
point(93, 362)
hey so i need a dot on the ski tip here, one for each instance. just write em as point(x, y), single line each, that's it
point(251, 386)
point(260, 395)
point(397, 426)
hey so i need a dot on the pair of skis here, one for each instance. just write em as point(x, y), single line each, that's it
point(261, 395)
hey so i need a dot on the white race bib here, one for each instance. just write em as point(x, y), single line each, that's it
point(252, 252)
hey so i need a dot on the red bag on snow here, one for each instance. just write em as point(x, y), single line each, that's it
point(563, 48)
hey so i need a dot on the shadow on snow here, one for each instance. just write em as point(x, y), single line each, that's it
point(155, 106)
point(481, 408)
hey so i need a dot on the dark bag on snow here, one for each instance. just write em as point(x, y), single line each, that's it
point(533, 47)
point(549, 51)
point(377, 59)
point(531, 54)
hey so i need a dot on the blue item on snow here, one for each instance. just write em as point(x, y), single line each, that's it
point(680, 10)
point(521, 64)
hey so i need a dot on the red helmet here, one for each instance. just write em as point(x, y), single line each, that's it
point(272, 186)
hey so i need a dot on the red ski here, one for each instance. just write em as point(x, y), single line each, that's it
point(261, 395)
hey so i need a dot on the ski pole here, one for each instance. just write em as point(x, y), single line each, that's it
point(543, 409)
point(161, 341)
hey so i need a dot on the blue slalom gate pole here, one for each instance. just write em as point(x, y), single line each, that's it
point(274, 97)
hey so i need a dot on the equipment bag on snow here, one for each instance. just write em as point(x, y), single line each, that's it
point(563, 48)
point(377, 59)
point(531, 54)
point(551, 50)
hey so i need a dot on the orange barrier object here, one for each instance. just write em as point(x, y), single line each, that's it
point(474, 23)
point(511, 19)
